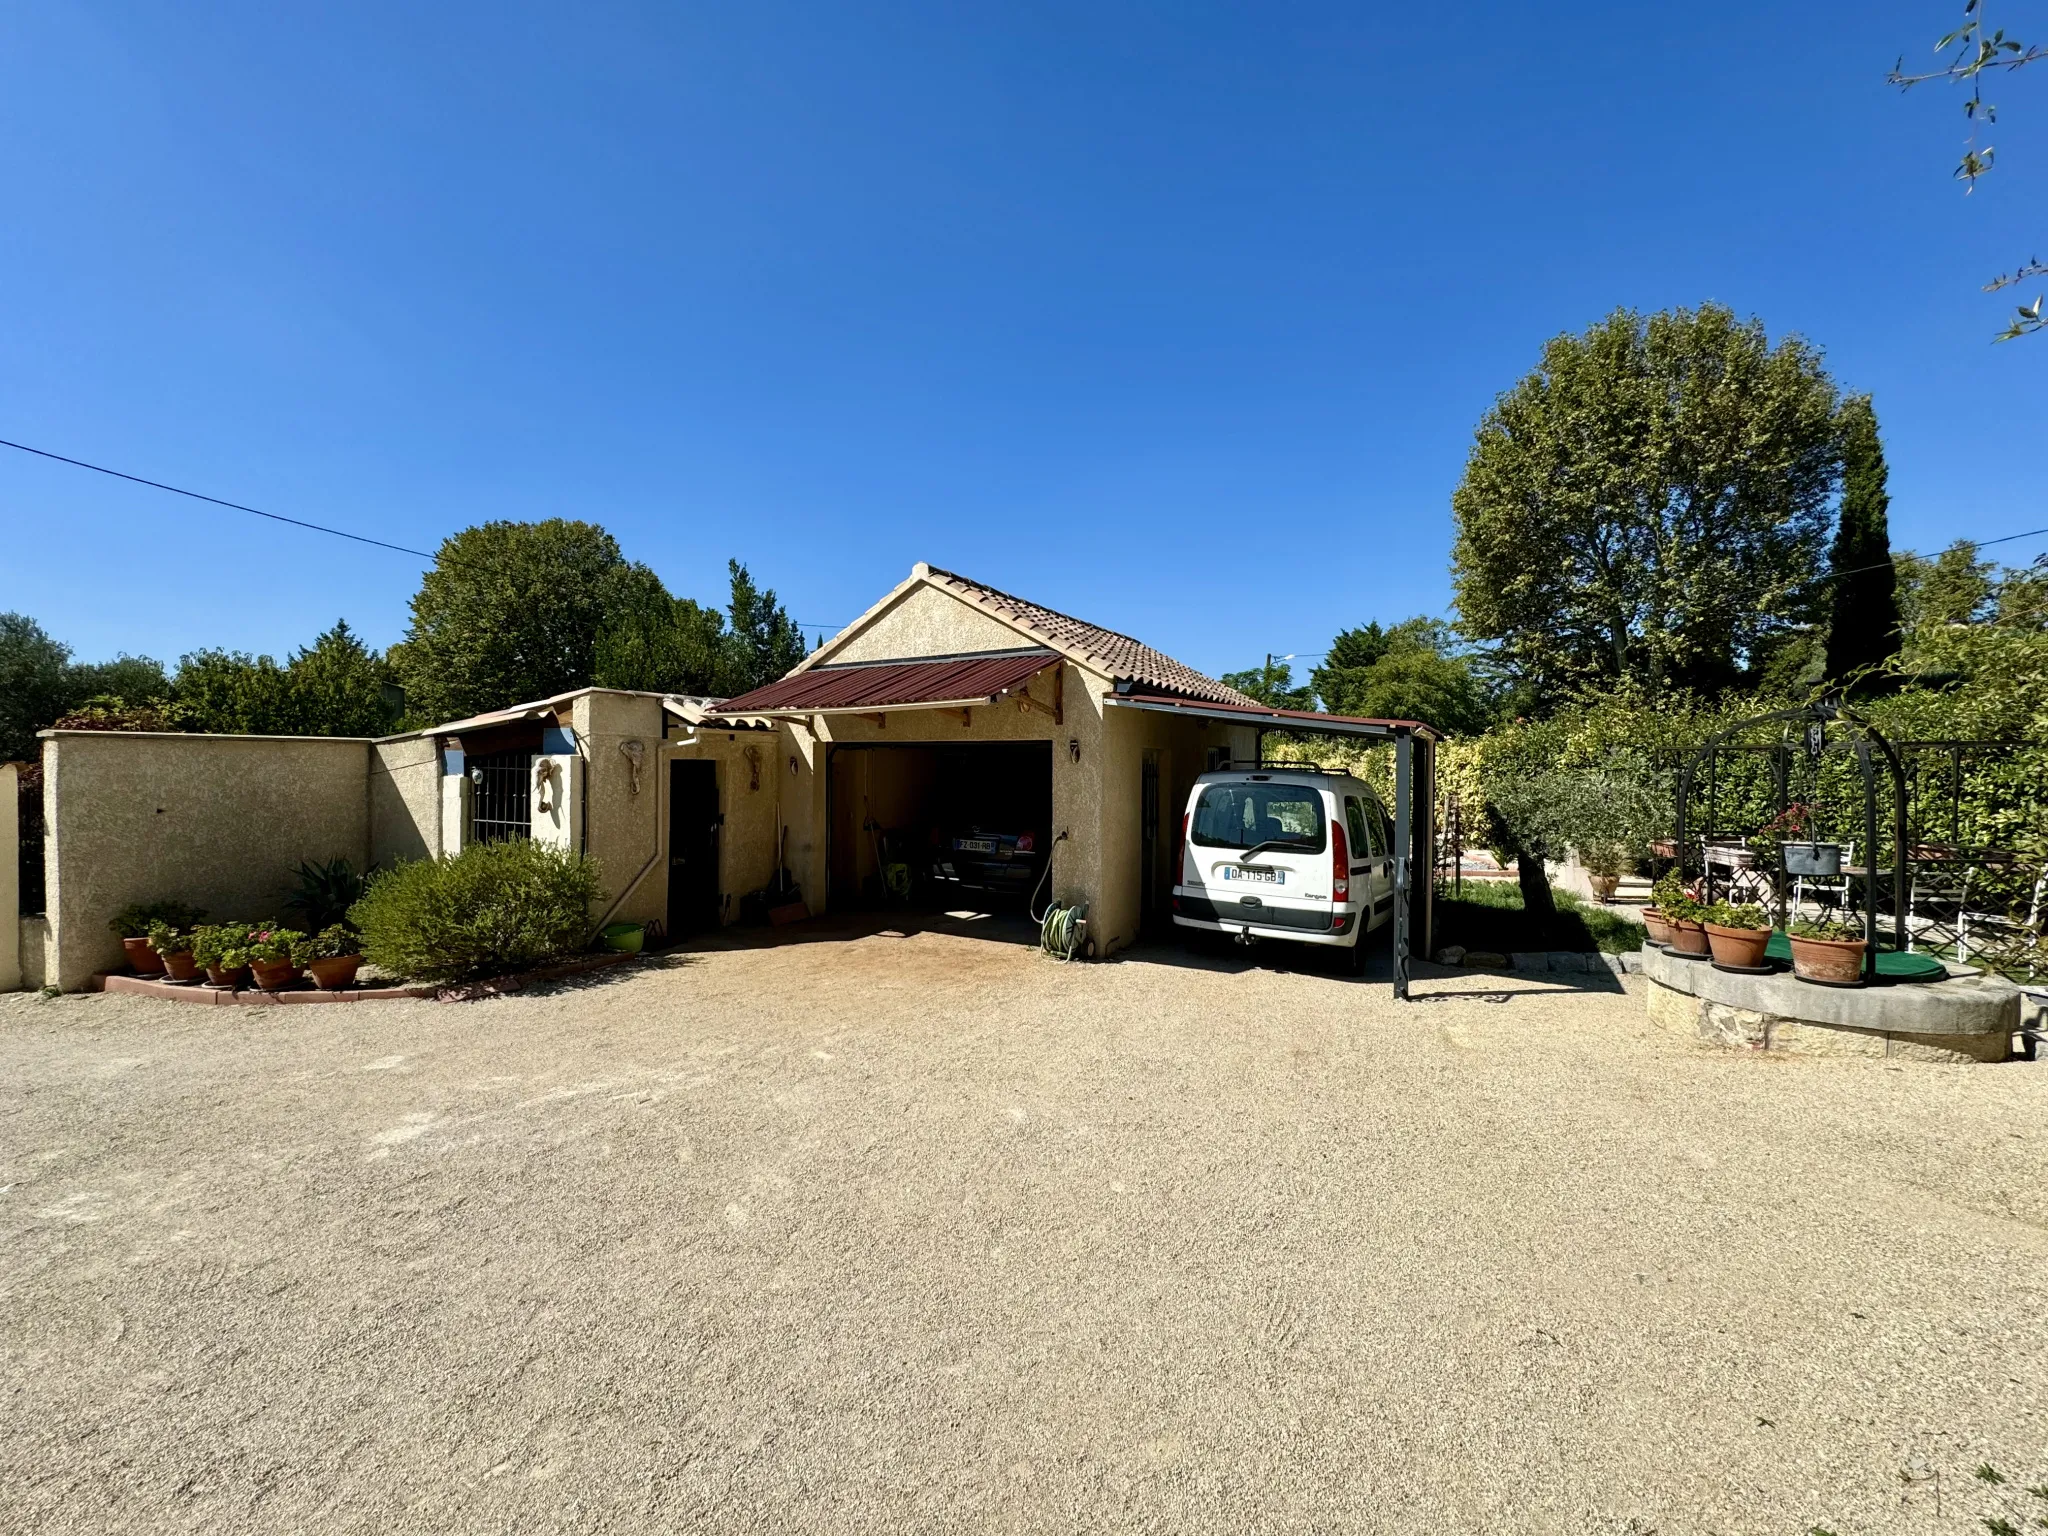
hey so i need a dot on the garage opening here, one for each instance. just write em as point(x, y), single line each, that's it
point(934, 828)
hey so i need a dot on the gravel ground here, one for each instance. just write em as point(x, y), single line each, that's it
point(925, 1233)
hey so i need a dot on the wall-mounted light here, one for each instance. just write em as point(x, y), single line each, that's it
point(793, 765)
point(1074, 748)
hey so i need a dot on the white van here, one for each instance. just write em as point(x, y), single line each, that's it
point(1285, 853)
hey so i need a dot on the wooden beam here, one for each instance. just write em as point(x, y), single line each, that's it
point(1025, 701)
point(966, 718)
point(881, 720)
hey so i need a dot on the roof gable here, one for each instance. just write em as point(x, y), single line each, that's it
point(1104, 651)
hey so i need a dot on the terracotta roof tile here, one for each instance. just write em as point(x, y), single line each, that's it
point(1118, 655)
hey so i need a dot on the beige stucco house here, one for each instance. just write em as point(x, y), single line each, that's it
point(945, 690)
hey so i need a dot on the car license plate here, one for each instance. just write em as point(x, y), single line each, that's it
point(1254, 874)
point(974, 845)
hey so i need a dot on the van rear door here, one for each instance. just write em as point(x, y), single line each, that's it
point(1261, 848)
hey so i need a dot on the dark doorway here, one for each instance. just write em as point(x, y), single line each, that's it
point(693, 822)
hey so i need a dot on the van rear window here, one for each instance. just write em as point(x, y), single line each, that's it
point(1287, 817)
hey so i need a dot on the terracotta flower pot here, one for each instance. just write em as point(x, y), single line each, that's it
point(334, 973)
point(1660, 930)
point(274, 975)
point(181, 967)
point(1740, 949)
point(1688, 938)
point(1831, 962)
point(221, 976)
point(142, 960)
point(1604, 886)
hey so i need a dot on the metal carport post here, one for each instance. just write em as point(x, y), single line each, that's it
point(1414, 798)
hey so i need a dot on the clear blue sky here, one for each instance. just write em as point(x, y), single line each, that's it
point(1176, 316)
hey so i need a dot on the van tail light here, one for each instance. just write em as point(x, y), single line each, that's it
point(1180, 851)
point(1340, 865)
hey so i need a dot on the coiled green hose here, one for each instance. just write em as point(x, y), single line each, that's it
point(1061, 935)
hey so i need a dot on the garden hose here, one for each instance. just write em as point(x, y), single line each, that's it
point(1064, 931)
point(1031, 906)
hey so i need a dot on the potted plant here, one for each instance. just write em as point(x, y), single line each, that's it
point(131, 926)
point(173, 946)
point(270, 951)
point(332, 956)
point(218, 949)
point(1683, 916)
point(1738, 936)
point(1802, 855)
point(1605, 864)
point(1669, 888)
point(1828, 954)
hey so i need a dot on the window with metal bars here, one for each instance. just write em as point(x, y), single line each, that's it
point(501, 802)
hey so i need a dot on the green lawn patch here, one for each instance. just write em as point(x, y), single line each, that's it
point(1490, 915)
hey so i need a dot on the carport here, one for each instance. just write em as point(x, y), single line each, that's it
point(1414, 745)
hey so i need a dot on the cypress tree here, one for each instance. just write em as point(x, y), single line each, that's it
point(1863, 630)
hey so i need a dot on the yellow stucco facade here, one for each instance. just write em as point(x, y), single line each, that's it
point(221, 821)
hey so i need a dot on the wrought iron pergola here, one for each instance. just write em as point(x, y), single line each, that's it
point(1855, 734)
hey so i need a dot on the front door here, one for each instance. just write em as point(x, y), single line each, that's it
point(693, 821)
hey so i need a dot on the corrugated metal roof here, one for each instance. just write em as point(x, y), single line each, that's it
point(893, 685)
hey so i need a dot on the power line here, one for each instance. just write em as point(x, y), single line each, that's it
point(175, 490)
point(339, 533)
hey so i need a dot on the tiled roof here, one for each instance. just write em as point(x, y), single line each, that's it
point(1118, 655)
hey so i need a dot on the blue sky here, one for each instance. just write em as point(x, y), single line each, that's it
point(1176, 316)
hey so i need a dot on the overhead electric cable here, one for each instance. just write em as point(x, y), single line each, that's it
point(199, 496)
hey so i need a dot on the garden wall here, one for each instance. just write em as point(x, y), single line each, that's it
point(405, 800)
point(218, 821)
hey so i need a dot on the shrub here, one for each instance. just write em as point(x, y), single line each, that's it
point(492, 908)
point(134, 922)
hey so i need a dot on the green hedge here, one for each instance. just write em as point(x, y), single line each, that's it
point(493, 908)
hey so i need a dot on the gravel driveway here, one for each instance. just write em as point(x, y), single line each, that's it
point(925, 1233)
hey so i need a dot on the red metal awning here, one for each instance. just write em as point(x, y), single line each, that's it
point(955, 683)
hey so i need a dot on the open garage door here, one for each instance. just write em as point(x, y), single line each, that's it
point(938, 827)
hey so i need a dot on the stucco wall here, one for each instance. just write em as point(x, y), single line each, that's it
point(746, 843)
point(218, 821)
point(622, 825)
point(405, 800)
point(927, 622)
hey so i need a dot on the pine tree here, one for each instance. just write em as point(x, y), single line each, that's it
point(1863, 630)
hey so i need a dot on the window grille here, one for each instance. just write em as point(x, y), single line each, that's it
point(501, 803)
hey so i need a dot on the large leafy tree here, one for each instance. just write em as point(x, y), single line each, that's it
point(1863, 629)
point(1273, 685)
point(1414, 670)
point(509, 612)
point(762, 641)
point(1651, 504)
point(337, 686)
point(40, 683)
point(661, 644)
point(33, 684)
